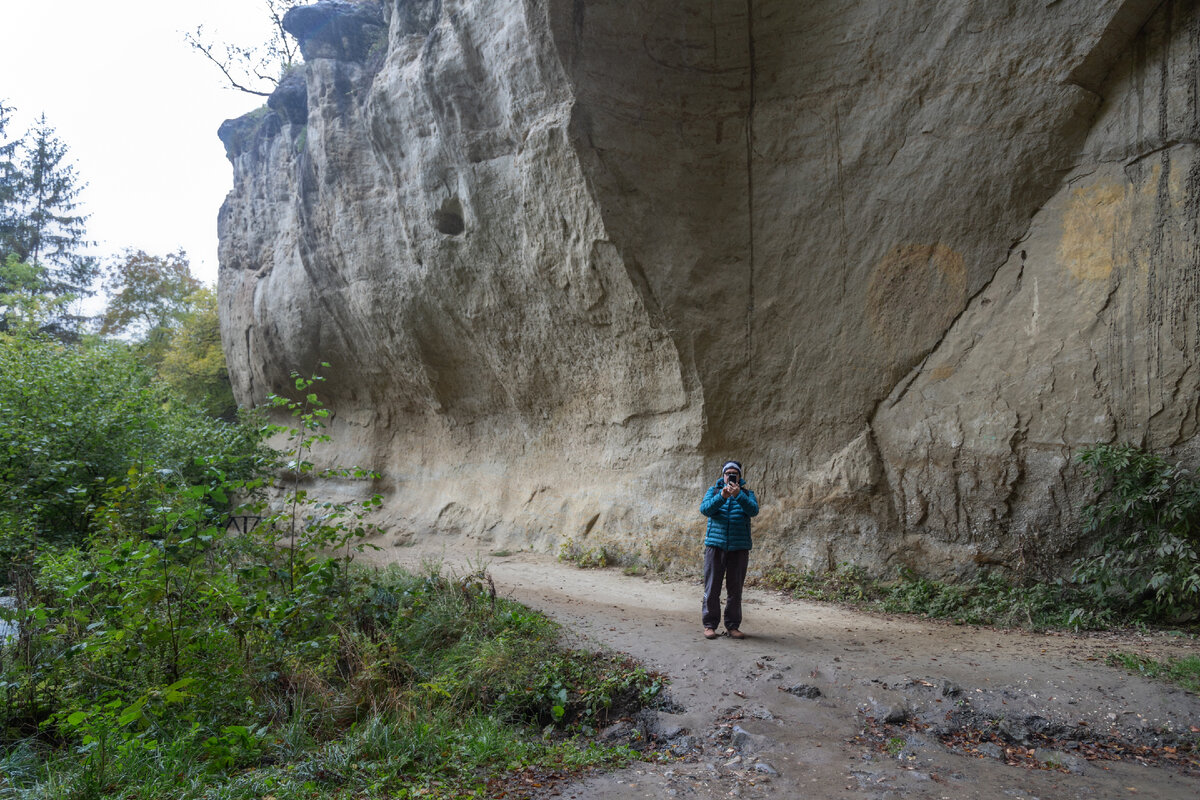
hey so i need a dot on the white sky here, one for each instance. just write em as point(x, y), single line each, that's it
point(137, 108)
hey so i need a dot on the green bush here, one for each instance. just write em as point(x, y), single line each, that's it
point(142, 683)
point(585, 557)
point(78, 419)
point(166, 656)
point(1145, 559)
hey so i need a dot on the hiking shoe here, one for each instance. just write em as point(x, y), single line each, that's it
point(734, 633)
point(709, 633)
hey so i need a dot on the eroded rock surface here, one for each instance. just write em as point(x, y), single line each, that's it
point(567, 257)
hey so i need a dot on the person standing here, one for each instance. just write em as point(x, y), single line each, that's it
point(729, 505)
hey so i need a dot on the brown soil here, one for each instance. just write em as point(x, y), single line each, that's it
point(878, 707)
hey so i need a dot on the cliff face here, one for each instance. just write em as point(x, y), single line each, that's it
point(565, 258)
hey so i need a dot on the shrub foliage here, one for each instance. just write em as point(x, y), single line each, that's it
point(83, 420)
point(160, 653)
point(1145, 560)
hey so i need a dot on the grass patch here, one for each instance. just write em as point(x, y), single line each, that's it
point(636, 562)
point(586, 557)
point(988, 599)
point(847, 584)
point(1183, 672)
point(426, 685)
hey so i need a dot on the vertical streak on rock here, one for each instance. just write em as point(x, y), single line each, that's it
point(1158, 282)
point(1194, 81)
point(1192, 213)
point(750, 194)
point(841, 188)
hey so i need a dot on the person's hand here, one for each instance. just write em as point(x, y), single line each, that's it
point(734, 490)
point(727, 491)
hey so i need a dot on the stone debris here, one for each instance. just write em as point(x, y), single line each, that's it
point(802, 690)
point(748, 742)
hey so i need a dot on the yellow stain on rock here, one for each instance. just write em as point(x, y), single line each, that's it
point(1089, 230)
point(941, 373)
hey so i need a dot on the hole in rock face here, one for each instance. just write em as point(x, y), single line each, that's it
point(449, 218)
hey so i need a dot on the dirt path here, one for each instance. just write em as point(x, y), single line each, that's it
point(941, 685)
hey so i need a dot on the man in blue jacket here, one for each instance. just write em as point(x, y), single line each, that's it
point(729, 505)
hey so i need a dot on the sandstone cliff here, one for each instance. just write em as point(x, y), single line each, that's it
point(565, 258)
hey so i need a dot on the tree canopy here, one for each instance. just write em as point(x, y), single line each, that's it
point(193, 365)
point(171, 318)
point(147, 293)
point(41, 224)
point(9, 173)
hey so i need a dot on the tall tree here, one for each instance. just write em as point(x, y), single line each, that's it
point(9, 186)
point(51, 231)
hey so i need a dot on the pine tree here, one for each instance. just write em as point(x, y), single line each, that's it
point(51, 232)
point(9, 186)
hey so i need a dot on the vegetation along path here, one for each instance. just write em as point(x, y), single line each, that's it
point(825, 702)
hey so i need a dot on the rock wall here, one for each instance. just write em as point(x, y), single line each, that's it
point(565, 258)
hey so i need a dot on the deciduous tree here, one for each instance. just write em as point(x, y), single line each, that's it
point(194, 363)
point(24, 303)
point(147, 292)
point(147, 298)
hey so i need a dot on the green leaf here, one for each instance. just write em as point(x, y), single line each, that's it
point(131, 714)
point(174, 693)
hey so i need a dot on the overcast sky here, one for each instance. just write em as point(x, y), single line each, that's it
point(138, 109)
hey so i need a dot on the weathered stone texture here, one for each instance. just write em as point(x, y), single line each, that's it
point(1088, 332)
point(566, 257)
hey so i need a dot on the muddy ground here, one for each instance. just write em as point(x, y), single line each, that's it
point(825, 702)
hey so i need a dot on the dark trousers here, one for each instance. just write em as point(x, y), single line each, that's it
point(728, 566)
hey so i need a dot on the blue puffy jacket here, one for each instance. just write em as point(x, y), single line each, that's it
point(729, 519)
